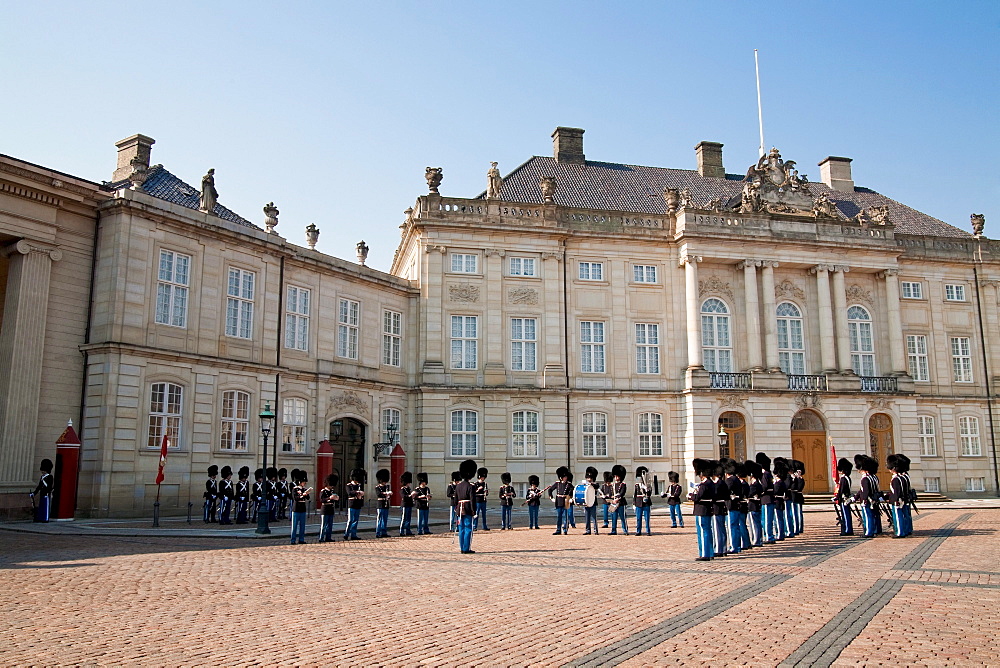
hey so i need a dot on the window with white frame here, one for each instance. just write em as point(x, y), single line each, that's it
point(912, 290)
point(591, 346)
point(954, 292)
point(591, 271)
point(391, 417)
point(961, 359)
point(522, 489)
point(464, 341)
point(916, 355)
point(523, 340)
point(297, 318)
point(968, 429)
point(348, 318)
point(647, 347)
point(650, 435)
point(717, 352)
point(522, 266)
point(165, 401)
point(392, 337)
point(464, 433)
point(927, 435)
point(595, 434)
point(524, 434)
point(239, 303)
point(235, 420)
point(977, 484)
point(172, 282)
point(859, 326)
point(293, 427)
point(644, 273)
point(791, 342)
point(464, 263)
point(932, 484)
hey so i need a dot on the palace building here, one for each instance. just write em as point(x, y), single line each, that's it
point(577, 312)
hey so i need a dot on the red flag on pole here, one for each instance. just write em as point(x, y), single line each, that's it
point(833, 462)
point(163, 457)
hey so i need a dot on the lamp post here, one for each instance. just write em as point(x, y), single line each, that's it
point(723, 441)
point(391, 433)
point(266, 419)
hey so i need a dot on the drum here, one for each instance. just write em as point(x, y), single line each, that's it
point(585, 495)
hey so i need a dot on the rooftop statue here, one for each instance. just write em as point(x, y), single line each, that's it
point(548, 186)
point(209, 195)
point(434, 177)
point(773, 185)
point(824, 207)
point(493, 182)
point(271, 217)
point(672, 198)
point(978, 221)
point(361, 249)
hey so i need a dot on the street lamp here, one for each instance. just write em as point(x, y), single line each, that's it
point(723, 441)
point(266, 420)
point(391, 432)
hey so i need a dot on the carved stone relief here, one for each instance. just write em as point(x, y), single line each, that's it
point(856, 293)
point(715, 285)
point(463, 292)
point(526, 296)
point(808, 400)
point(350, 398)
point(732, 400)
point(880, 403)
point(788, 290)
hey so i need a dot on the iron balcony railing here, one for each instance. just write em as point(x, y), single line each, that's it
point(807, 383)
point(879, 384)
point(731, 381)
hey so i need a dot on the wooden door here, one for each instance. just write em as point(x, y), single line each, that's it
point(880, 445)
point(809, 447)
point(347, 438)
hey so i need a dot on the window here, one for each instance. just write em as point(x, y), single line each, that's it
point(465, 263)
point(293, 429)
point(235, 420)
point(916, 353)
point(968, 428)
point(464, 332)
point(591, 271)
point(975, 484)
point(647, 347)
point(650, 435)
point(791, 346)
point(926, 436)
point(165, 414)
point(172, 289)
point(595, 435)
point(644, 273)
point(716, 348)
point(859, 327)
point(464, 433)
point(391, 417)
point(961, 359)
point(522, 489)
point(239, 303)
point(524, 434)
point(912, 290)
point(954, 293)
point(297, 318)
point(347, 328)
point(522, 266)
point(932, 484)
point(392, 337)
point(522, 344)
point(591, 347)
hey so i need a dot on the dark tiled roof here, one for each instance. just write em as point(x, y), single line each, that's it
point(161, 184)
point(638, 189)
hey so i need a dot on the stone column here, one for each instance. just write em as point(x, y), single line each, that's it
point(840, 319)
point(897, 354)
point(749, 268)
point(551, 334)
point(827, 343)
point(770, 317)
point(494, 331)
point(432, 325)
point(693, 310)
point(22, 343)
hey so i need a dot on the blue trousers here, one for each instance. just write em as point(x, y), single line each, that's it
point(789, 519)
point(735, 532)
point(591, 514)
point(381, 522)
point(571, 516)
point(208, 510)
point(351, 530)
point(405, 515)
point(868, 519)
point(744, 532)
point(676, 516)
point(465, 533)
point(779, 524)
point(642, 513)
point(480, 512)
point(720, 534)
point(908, 519)
point(848, 519)
point(227, 506)
point(898, 521)
point(799, 524)
point(706, 535)
point(298, 528)
point(326, 531)
point(562, 523)
point(506, 512)
point(533, 516)
point(241, 512)
point(453, 518)
point(423, 521)
point(42, 509)
point(755, 530)
point(768, 518)
point(619, 515)
point(605, 515)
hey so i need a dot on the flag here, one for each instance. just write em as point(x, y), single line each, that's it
point(833, 461)
point(163, 457)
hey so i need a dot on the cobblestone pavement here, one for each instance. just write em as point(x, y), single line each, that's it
point(525, 598)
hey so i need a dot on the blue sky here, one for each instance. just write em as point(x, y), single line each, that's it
point(332, 110)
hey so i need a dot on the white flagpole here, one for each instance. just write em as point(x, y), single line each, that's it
point(760, 110)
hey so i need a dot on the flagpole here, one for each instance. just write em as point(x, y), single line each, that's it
point(760, 109)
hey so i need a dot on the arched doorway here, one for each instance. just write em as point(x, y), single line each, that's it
point(880, 445)
point(347, 438)
point(809, 447)
point(736, 445)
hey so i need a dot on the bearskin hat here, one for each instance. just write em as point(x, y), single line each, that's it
point(715, 468)
point(227, 471)
point(303, 476)
point(763, 460)
point(332, 480)
point(282, 472)
point(890, 462)
point(673, 477)
point(244, 472)
point(533, 480)
point(482, 472)
point(406, 478)
point(258, 474)
point(753, 468)
point(844, 466)
point(731, 466)
point(456, 476)
point(570, 477)
point(799, 466)
point(741, 470)
point(780, 467)
point(213, 470)
point(467, 469)
point(505, 478)
point(591, 473)
point(618, 471)
point(608, 477)
point(359, 475)
point(902, 464)
point(641, 471)
point(859, 460)
point(46, 465)
point(562, 472)
point(780, 461)
point(422, 477)
point(382, 475)
point(700, 466)
point(868, 465)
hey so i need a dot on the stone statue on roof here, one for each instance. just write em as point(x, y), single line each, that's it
point(824, 207)
point(493, 182)
point(434, 177)
point(978, 221)
point(687, 199)
point(672, 198)
point(548, 187)
point(209, 195)
point(773, 185)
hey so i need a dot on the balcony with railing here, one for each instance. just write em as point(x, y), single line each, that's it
point(879, 384)
point(807, 383)
point(730, 381)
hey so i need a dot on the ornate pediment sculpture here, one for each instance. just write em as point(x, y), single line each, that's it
point(873, 215)
point(823, 207)
point(773, 185)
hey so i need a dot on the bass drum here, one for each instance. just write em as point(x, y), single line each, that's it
point(585, 495)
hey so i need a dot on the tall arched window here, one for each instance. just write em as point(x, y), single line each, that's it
point(791, 343)
point(859, 325)
point(716, 345)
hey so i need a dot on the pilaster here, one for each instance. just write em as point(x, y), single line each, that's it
point(840, 319)
point(749, 268)
point(770, 319)
point(692, 309)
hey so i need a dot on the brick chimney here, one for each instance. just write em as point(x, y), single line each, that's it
point(836, 173)
point(710, 159)
point(567, 145)
point(136, 146)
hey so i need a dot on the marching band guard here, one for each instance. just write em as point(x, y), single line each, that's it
point(768, 521)
point(453, 516)
point(591, 510)
point(734, 523)
point(328, 497)
point(355, 493)
point(273, 495)
point(383, 496)
point(422, 496)
point(242, 495)
point(465, 498)
point(911, 496)
point(226, 495)
point(300, 500)
point(507, 494)
point(618, 503)
point(721, 508)
point(560, 491)
point(799, 477)
point(283, 493)
point(259, 494)
point(780, 491)
point(642, 499)
point(703, 497)
point(482, 493)
point(754, 491)
point(842, 498)
point(43, 492)
point(899, 493)
point(406, 503)
point(211, 495)
point(533, 498)
point(743, 474)
point(673, 496)
point(606, 495)
point(868, 494)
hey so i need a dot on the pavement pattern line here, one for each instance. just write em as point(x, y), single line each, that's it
point(916, 559)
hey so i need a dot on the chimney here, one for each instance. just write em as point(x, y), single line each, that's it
point(710, 159)
point(567, 145)
point(130, 148)
point(836, 173)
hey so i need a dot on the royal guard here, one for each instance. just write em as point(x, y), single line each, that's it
point(482, 494)
point(899, 493)
point(406, 503)
point(242, 495)
point(211, 494)
point(703, 497)
point(383, 496)
point(227, 493)
point(507, 494)
point(465, 497)
point(618, 502)
point(642, 499)
point(259, 494)
point(561, 491)
point(842, 498)
point(355, 493)
point(767, 517)
point(42, 495)
point(422, 497)
point(590, 506)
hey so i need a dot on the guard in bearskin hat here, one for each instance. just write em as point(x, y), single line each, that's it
point(273, 494)
point(258, 494)
point(789, 479)
point(328, 498)
point(227, 493)
point(560, 491)
point(465, 497)
point(482, 494)
point(422, 497)
point(721, 509)
point(619, 491)
point(41, 496)
point(899, 493)
point(355, 493)
point(507, 494)
point(868, 495)
point(533, 499)
point(299, 503)
point(405, 503)
point(754, 491)
point(242, 495)
point(590, 509)
point(743, 475)
point(769, 522)
point(456, 478)
point(797, 496)
point(673, 496)
point(606, 496)
point(211, 495)
point(383, 498)
point(735, 522)
point(780, 469)
point(642, 500)
point(842, 497)
point(703, 497)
